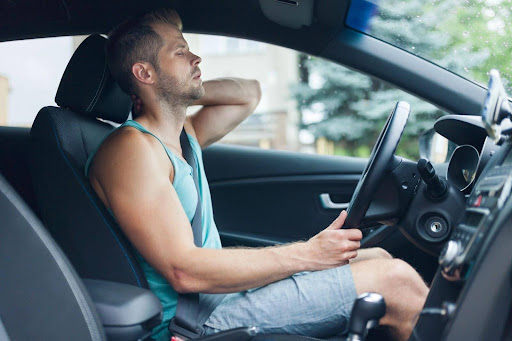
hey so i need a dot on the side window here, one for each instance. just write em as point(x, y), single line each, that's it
point(276, 119)
point(30, 72)
point(309, 104)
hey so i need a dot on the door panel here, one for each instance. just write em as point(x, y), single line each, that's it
point(228, 162)
point(266, 197)
point(263, 197)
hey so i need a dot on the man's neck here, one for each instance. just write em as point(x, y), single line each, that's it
point(165, 121)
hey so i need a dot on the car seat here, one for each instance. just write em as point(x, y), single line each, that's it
point(62, 139)
point(41, 296)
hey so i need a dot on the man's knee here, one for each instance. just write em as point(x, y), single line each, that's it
point(371, 253)
point(385, 275)
point(381, 253)
point(400, 273)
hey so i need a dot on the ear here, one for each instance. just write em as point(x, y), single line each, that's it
point(144, 72)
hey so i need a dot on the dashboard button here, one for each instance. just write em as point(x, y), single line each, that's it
point(478, 201)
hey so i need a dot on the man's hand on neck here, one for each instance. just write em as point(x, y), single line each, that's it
point(226, 103)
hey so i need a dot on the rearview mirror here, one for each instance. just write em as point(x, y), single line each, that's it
point(435, 147)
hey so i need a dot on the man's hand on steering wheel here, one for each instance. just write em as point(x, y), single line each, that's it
point(333, 246)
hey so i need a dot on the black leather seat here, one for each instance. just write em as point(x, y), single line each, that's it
point(62, 140)
point(41, 296)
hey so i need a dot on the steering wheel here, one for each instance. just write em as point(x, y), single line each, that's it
point(378, 164)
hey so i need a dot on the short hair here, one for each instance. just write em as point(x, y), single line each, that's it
point(135, 40)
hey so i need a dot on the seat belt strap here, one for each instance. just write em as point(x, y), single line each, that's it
point(188, 154)
point(192, 310)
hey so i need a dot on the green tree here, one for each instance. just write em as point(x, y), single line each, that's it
point(350, 108)
point(479, 34)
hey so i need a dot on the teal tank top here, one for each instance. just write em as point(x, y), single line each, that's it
point(185, 188)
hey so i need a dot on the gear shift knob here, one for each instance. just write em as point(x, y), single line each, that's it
point(368, 309)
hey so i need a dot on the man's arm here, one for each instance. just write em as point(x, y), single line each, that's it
point(132, 178)
point(226, 103)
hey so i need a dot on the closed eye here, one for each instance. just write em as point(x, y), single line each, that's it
point(181, 51)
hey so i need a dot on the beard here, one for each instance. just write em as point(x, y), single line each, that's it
point(174, 92)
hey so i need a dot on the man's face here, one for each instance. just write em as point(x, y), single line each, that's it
point(179, 76)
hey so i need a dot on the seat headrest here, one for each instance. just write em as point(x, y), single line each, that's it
point(87, 86)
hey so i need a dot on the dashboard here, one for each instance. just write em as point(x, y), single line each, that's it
point(471, 294)
point(474, 276)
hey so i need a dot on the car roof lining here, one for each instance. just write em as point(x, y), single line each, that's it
point(326, 37)
point(51, 18)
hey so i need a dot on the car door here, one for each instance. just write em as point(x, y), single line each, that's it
point(264, 197)
point(267, 197)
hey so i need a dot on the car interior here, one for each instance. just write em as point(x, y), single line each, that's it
point(70, 273)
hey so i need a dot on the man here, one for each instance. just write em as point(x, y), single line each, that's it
point(140, 175)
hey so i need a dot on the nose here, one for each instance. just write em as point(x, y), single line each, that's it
point(195, 59)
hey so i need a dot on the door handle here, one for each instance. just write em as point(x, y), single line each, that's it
point(325, 199)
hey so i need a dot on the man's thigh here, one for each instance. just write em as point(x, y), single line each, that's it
point(314, 304)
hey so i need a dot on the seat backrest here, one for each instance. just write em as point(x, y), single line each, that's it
point(62, 140)
point(14, 151)
point(41, 296)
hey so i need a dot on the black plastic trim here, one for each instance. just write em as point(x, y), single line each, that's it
point(284, 179)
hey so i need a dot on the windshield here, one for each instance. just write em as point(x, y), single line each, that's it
point(468, 37)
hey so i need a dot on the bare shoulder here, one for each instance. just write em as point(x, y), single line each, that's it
point(124, 138)
point(127, 152)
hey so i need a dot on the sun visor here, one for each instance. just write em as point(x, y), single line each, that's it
point(289, 13)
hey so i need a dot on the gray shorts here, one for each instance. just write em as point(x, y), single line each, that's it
point(316, 304)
